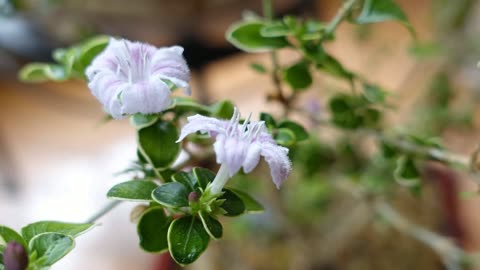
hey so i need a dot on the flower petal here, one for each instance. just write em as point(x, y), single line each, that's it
point(203, 124)
point(252, 158)
point(145, 98)
point(168, 63)
point(235, 153)
point(277, 158)
point(219, 148)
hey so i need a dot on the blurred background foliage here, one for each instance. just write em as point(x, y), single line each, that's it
point(320, 219)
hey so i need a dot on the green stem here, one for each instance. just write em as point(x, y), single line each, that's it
point(107, 208)
point(269, 15)
point(341, 14)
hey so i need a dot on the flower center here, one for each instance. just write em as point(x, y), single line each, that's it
point(133, 63)
point(247, 132)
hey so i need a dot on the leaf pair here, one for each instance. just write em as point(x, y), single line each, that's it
point(286, 132)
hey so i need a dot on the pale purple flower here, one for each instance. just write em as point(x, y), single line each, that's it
point(241, 145)
point(128, 77)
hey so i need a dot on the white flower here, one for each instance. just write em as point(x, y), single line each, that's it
point(240, 145)
point(127, 77)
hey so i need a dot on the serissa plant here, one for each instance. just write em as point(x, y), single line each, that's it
point(180, 207)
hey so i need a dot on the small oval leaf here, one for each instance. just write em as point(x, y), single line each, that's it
point(152, 230)
point(187, 239)
point(171, 194)
point(157, 143)
point(135, 190)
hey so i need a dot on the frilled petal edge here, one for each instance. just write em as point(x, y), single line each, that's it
point(201, 123)
point(277, 158)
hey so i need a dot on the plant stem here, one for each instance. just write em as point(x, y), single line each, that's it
point(269, 15)
point(451, 255)
point(341, 14)
point(107, 208)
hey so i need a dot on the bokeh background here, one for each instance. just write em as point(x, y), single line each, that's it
point(58, 159)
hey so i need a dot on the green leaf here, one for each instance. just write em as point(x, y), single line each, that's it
point(157, 143)
point(298, 76)
point(8, 235)
point(345, 111)
point(285, 136)
point(50, 247)
point(187, 239)
point(259, 68)
point(69, 229)
point(374, 11)
point(373, 93)
point(246, 36)
point(90, 49)
point(152, 230)
point(140, 121)
point(40, 72)
point(187, 179)
point(171, 194)
point(222, 109)
point(203, 176)
point(135, 190)
point(299, 131)
point(406, 172)
point(251, 205)
point(212, 226)
point(269, 120)
point(275, 29)
point(326, 62)
point(183, 105)
point(233, 204)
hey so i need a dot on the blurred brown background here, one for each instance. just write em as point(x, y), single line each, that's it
point(57, 160)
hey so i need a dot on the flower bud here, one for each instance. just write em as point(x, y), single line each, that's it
point(193, 196)
point(15, 256)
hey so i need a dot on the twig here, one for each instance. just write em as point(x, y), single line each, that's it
point(341, 14)
point(269, 15)
point(107, 208)
point(451, 255)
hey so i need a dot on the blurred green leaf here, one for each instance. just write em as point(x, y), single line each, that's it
point(298, 76)
point(270, 122)
point(70, 229)
point(246, 36)
point(8, 235)
point(135, 190)
point(299, 131)
point(373, 93)
point(251, 205)
point(275, 29)
point(406, 172)
point(285, 136)
point(140, 121)
point(259, 68)
point(152, 230)
point(222, 109)
point(40, 72)
point(50, 247)
point(374, 11)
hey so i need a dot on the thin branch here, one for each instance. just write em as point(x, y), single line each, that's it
point(451, 255)
point(341, 14)
point(280, 96)
point(107, 208)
